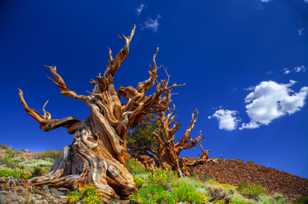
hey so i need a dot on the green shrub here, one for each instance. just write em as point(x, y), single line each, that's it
point(251, 190)
point(39, 171)
point(152, 194)
point(73, 197)
point(15, 173)
point(301, 200)
point(9, 162)
point(135, 167)
point(280, 199)
point(90, 195)
point(53, 154)
point(189, 190)
point(87, 195)
point(162, 177)
point(140, 179)
point(236, 199)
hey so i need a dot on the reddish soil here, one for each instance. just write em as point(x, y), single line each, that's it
point(236, 171)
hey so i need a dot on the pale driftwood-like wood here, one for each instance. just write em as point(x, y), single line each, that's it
point(99, 149)
point(169, 150)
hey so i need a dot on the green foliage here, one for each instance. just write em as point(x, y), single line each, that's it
point(275, 199)
point(135, 167)
point(90, 195)
point(152, 194)
point(9, 161)
point(39, 171)
point(189, 190)
point(301, 200)
point(141, 138)
point(87, 194)
point(236, 199)
point(223, 186)
point(251, 190)
point(140, 179)
point(162, 177)
point(73, 197)
point(163, 186)
point(15, 173)
point(53, 154)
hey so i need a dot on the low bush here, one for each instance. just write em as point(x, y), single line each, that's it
point(73, 197)
point(237, 199)
point(90, 195)
point(275, 199)
point(85, 195)
point(152, 194)
point(135, 167)
point(53, 154)
point(9, 162)
point(15, 173)
point(162, 177)
point(189, 190)
point(251, 190)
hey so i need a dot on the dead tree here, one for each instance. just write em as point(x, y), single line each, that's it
point(170, 149)
point(99, 148)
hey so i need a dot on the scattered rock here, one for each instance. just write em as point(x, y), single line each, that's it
point(236, 172)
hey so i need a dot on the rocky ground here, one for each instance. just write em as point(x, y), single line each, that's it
point(236, 172)
point(16, 191)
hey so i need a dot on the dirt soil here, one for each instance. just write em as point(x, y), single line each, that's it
point(236, 171)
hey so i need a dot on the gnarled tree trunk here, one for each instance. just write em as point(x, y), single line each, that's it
point(99, 149)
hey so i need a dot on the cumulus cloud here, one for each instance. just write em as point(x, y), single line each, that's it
point(152, 24)
point(297, 69)
point(271, 100)
point(139, 9)
point(227, 119)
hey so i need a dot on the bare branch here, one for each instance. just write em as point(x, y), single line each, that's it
point(115, 63)
point(45, 121)
point(60, 83)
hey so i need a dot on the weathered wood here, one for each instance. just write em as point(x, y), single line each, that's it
point(169, 150)
point(99, 149)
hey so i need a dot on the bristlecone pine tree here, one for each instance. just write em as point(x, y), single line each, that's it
point(99, 148)
point(169, 148)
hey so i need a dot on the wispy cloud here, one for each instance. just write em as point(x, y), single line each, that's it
point(296, 69)
point(300, 31)
point(271, 100)
point(227, 119)
point(306, 1)
point(265, 1)
point(139, 9)
point(152, 24)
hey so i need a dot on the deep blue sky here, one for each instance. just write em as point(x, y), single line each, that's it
point(219, 48)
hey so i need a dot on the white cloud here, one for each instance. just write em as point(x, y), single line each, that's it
point(227, 119)
point(270, 100)
point(306, 1)
point(296, 69)
point(139, 9)
point(152, 24)
point(300, 31)
point(265, 1)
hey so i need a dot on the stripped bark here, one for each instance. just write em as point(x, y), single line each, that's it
point(99, 149)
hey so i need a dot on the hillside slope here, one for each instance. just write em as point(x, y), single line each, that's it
point(236, 172)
